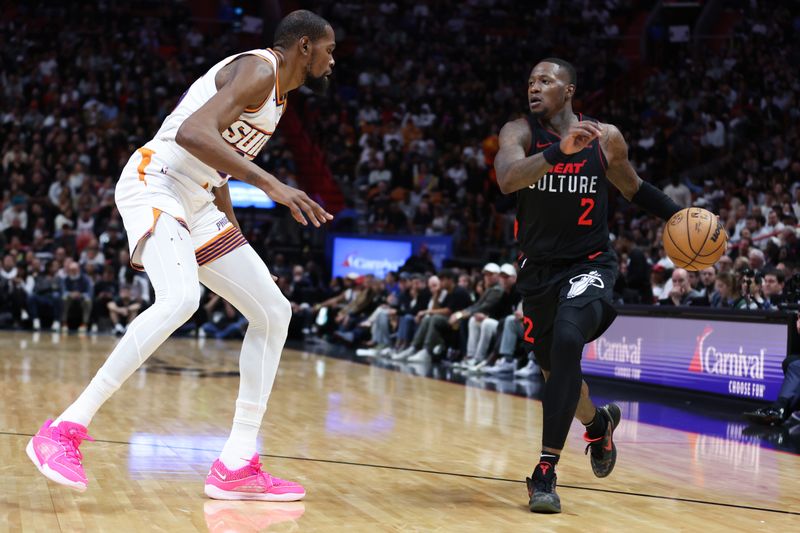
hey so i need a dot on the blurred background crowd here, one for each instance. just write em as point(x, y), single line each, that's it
point(403, 144)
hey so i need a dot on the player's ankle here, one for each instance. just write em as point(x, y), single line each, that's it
point(597, 427)
point(549, 458)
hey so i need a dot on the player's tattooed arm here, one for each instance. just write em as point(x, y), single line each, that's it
point(620, 172)
point(514, 170)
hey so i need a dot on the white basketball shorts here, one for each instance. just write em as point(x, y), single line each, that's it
point(147, 189)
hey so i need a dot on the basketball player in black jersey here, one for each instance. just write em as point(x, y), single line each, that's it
point(559, 163)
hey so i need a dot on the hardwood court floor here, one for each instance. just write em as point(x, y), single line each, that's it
point(377, 451)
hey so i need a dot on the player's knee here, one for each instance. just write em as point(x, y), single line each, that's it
point(282, 312)
point(178, 301)
point(185, 302)
point(566, 334)
point(273, 312)
point(585, 320)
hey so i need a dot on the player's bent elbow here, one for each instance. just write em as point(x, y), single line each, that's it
point(185, 136)
point(505, 184)
point(502, 183)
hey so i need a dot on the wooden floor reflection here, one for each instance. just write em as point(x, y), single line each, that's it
point(377, 451)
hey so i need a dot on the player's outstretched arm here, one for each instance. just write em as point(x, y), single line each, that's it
point(623, 176)
point(248, 81)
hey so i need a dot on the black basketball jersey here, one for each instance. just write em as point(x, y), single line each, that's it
point(564, 215)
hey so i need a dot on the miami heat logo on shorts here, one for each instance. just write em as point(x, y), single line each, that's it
point(581, 282)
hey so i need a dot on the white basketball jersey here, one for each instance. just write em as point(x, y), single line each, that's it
point(247, 135)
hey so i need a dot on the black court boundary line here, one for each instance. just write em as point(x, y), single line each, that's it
point(471, 476)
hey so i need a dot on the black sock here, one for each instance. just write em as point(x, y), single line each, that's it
point(597, 427)
point(549, 458)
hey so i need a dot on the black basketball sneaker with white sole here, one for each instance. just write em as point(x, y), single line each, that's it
point(542, 490)
point(603, 450)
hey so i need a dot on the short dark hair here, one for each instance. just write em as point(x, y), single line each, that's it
point(298, 24)
point(573, 76)
point(447, 273)
point(780, 276)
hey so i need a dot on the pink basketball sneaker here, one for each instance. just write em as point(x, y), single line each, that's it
point(54, 451)
point(250, 483)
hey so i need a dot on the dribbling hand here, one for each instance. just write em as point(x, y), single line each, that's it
point(579, 136)
point(300, 204)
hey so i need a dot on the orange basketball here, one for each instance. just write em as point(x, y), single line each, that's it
point(694, 238)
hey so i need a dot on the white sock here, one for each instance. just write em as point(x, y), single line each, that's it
point(241, 445)
point(84, 408)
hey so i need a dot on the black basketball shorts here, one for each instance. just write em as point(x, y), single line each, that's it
point(545, 288)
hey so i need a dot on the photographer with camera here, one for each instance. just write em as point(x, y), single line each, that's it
point(751, 292)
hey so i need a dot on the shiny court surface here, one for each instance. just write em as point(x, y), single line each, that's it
point(377, 449)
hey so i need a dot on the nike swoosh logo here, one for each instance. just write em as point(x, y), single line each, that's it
point(608, 446)
point(223, 478)
point(542, 145)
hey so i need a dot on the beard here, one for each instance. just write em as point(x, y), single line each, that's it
point(541, 113)
point(318, 86)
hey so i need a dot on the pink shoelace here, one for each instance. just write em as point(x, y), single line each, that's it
point(71, 440)
point(255, 464)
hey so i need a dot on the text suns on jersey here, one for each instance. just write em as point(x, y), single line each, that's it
point(246, 138)
point(581, 282)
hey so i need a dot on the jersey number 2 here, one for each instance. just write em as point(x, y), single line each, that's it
point(528, 323)
point(582, 220)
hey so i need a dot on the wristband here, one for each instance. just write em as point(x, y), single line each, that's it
point(553, 154)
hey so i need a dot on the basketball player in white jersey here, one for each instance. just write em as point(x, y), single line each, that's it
point(174, 200)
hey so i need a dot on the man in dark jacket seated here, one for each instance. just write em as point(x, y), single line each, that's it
point(789, 396)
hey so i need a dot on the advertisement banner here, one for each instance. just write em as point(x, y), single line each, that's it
point(367, 255)
point(737, 359)
point(245, 195)
point(440, 246)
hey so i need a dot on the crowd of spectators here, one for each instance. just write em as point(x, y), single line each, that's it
point(81, 90)
point(409, 131)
